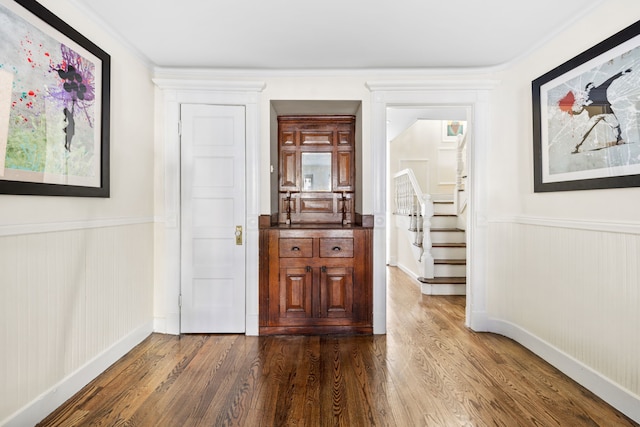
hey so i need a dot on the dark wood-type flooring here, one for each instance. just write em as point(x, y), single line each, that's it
point(429, 370)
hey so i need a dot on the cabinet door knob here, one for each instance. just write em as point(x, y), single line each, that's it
point(295, 248)
point(324, 269)
point(308, 269)
point(336, 248)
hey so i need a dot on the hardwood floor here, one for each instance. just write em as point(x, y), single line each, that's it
point(429, 370)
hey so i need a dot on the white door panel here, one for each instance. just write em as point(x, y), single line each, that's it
point(213, 204)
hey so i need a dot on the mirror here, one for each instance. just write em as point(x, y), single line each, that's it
point(316, 172)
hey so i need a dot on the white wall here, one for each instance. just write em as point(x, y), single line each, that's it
point(423, 141)
point(563, 267)
point(76, 274)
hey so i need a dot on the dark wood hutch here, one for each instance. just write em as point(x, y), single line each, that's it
point(316, 251)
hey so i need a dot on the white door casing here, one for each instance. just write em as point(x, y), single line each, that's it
point(175, 89)
point(471, 94)
point(212, 209)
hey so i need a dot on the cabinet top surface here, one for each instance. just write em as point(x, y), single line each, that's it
point(319, 226)
point(317, 119)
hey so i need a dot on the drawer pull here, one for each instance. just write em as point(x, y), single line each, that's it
point(295, 248)
point(336, 248)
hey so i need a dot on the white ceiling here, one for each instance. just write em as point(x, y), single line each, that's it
point(334, 34)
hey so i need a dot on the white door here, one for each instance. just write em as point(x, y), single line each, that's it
point(213, 209)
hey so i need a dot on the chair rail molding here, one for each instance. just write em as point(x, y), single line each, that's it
point(51, 227)
point(625, 227)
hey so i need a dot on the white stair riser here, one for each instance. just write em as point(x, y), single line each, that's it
point(448, 253)
point(444, 221)
point(450, 270)
point(447, 237)
point(444, 208)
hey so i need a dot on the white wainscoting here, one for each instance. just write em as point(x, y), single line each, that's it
point(72, 300)
point(570, 292)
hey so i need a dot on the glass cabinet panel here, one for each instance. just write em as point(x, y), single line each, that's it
point(316, 171)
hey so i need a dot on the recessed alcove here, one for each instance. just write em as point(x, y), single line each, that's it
point(314, 108)
point(315, 246)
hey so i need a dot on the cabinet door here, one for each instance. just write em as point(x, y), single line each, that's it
point(296, 286)
point(289, 166)
point(336, 292)
point(344, 173)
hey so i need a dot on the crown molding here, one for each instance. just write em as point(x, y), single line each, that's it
point(219, 73)
point(185, 83)
point(416, 85)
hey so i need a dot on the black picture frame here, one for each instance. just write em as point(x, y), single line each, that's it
point(586, 118)
point(76, 85)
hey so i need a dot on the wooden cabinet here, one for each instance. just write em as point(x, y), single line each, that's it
point(316, 169)
point(317, 280)
point(316, 252)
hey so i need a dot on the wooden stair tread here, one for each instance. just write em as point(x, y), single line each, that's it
point(450, 261)
point(444, 202)
point(444, 280)
point(447, 229)
point(449, 245)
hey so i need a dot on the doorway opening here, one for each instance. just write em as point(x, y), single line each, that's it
point(426, 233)
point(472, 97)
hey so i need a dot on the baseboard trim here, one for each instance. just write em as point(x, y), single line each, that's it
point(446, 289)
point(47, 402)
point(252, 325)
point(407, 271)
point(160, 324)
point(615, 395)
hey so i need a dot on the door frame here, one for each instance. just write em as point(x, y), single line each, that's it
point(471, 94)
point(171, 93)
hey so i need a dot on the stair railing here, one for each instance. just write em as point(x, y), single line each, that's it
point(411, 201)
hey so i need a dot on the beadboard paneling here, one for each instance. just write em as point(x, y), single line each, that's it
point(576, 289)
point(65, 297)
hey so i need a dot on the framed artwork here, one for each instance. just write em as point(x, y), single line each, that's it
point(54, 106)
point(451, 129)
point(586, 118)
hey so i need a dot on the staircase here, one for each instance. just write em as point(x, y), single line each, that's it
point(449, 251)
point(436, 228)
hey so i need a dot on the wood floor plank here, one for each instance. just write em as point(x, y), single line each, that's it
point(199, 382)
point(232, 376)
point(304, 385)
point(428, 370)
point(151, 407)
point(333, 406)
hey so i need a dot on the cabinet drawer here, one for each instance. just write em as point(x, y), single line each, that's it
point(336, 248)
point(296, 248)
